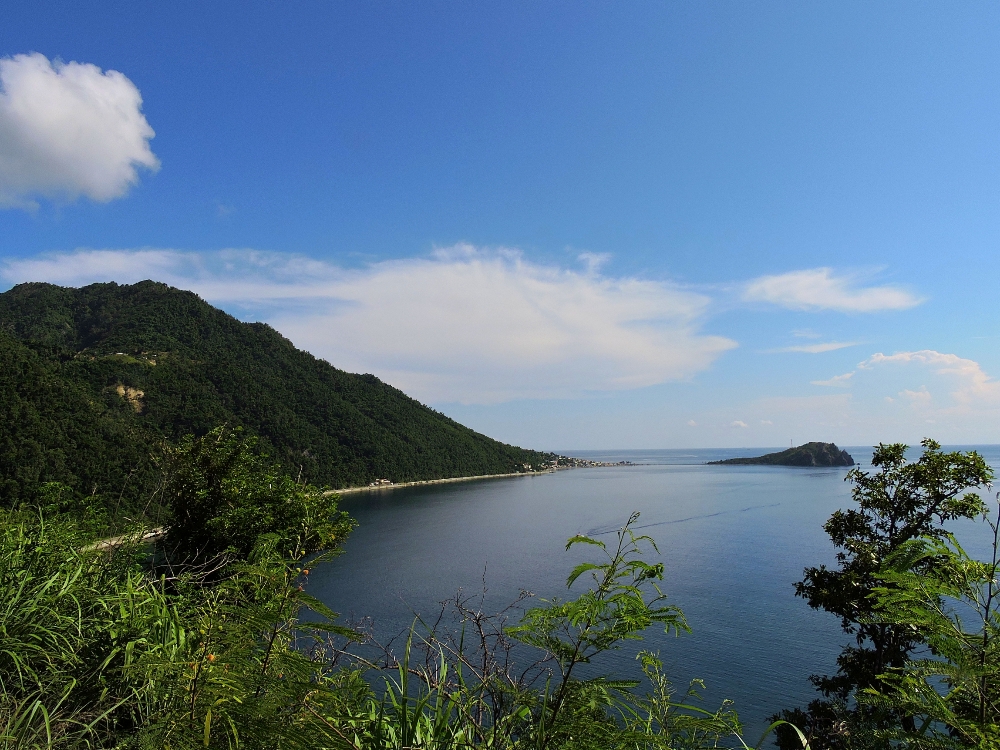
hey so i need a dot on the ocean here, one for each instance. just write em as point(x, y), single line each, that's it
point(733, 539)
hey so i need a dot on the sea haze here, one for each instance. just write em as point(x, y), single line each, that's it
point(733, 539)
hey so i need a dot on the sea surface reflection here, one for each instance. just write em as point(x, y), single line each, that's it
point(733, 539)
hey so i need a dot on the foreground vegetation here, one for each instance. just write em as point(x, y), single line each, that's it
point(212, 639)
point(901, 577)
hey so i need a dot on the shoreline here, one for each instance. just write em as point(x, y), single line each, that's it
point(422, 482)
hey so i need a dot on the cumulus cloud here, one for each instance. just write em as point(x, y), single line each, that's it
point(830, 346)
point(967, 381)
point(922, 396)
point(68, 130)
point(821, 289)
point(896, 397)
point(904, 397)
point(465, 324)
point(961, 380)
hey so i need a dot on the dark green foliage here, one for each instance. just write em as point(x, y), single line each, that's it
point(95, 379)
point(900, 502)
point(233, 667)
point(59, 429)
point(98, 653)
point(809, 454)
point(952, 698)
point(67, 614)
point(223, 496)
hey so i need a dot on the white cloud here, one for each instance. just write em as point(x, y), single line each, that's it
point(959, 388)
point(593, 261)
point(692, 423)
point(968, 382)
point(820, 289)
point(902, 397)
point(837, 381)
point(766, 422)
point(738, 423)
point(921, 397)
point(463, 325)
point(831, 346)
point(68, 129)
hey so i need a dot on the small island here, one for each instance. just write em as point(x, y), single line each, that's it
point(810, 454)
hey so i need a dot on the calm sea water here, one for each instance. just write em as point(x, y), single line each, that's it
point(733, 539)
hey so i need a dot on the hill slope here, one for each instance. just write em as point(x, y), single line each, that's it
point(93, 378)
point(809, 454)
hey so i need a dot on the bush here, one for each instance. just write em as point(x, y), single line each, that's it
point(223, 496)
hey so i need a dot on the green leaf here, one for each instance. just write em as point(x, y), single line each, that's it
point(583, 539)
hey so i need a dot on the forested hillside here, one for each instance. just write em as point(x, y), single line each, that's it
point(93, 380)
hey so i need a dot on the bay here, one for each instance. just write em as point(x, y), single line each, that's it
point(733, 540)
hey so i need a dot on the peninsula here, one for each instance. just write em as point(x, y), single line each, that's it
point(810, 454)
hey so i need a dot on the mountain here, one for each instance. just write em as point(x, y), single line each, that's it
point(810, 454)
point(93, 380)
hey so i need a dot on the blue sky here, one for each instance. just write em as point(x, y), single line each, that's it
point(568, 225)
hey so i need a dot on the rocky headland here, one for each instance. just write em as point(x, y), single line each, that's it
point(810, 454)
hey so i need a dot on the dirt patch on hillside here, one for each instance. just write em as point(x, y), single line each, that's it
point(133, 395)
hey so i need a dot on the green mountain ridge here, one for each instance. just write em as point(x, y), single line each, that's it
point(93, 380)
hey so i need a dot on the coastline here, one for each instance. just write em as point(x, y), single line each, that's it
point(157, 533)
point(421, 483)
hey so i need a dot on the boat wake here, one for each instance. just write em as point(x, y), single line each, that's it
point(612, 530)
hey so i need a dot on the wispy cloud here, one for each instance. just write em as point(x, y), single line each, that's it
point(465, 324)
point(738, 423)
point(830, 346)
point(68, 129)
point(594, 261)
point(837, 381)
point(821, 289)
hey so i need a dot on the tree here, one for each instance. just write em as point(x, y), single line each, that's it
point(952, 698)
point(900, 502)
point(224, 496)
